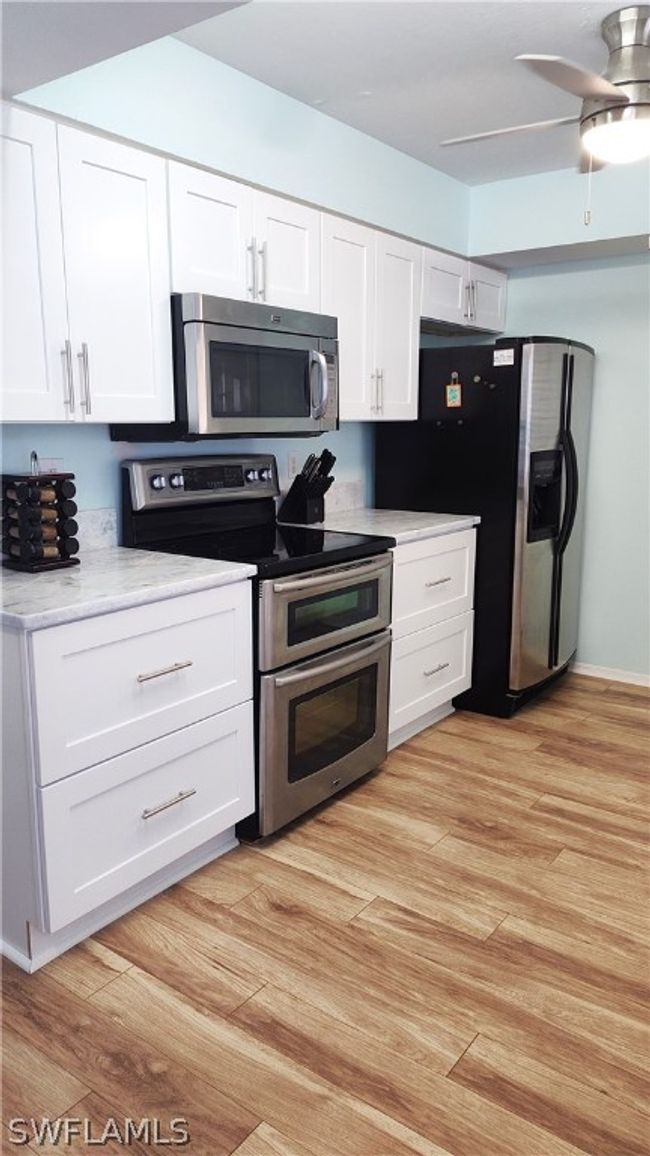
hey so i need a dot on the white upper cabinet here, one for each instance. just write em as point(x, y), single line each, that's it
point(211, 233)
point(114, 212)
point(230, 240)
point(287, 237)
point(397, 327)
point(35, 358)
point(462, 292)
point(445, 287)
point(348, 280)
point(371, 283)
point(489, 288)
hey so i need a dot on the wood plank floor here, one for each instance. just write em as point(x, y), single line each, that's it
point(450, 958)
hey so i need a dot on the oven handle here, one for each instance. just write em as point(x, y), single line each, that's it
point(318, 358)
point(350, 574)
point(352, 655)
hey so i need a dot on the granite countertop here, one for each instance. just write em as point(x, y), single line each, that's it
point(110, 579)
point(402, 525)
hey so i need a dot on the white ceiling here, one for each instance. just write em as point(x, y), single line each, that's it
point(415, 72)
point(45, 39)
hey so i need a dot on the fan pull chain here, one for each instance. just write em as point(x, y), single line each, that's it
point(587, 213)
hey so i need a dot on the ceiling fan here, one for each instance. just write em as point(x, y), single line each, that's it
point(615, 115)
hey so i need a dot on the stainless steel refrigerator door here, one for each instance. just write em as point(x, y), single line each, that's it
point(542, 373)
point(579, 420)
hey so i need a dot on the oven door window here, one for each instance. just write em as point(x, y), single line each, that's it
point(330, 722)
point(252, 381)
point(335, 610)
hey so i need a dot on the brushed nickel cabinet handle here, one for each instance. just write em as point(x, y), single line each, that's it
point(85, 377)
point(380, 390)
point(438, 582)
point(436, 670)
point(468, 307)
point(261, 292)
point(165, 670)
point(251, 248)
point(149, 812)
point(374, 405)
point(68, 377)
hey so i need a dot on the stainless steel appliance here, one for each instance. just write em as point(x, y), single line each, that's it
point(243, 369)
point(322, 609)
point(503, 432)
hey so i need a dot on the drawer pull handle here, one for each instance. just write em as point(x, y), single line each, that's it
point(439, 581)
point(166, 670)
point(149, 812)
point(436, 670)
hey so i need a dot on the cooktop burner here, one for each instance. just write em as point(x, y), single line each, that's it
point(223, 508)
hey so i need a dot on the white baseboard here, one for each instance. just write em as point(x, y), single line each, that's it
point(18, 957)
point(611, 673)
point(403, 734)
point(46, 946)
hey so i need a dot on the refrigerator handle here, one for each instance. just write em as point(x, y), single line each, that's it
point(567, 445)
point(570, 509)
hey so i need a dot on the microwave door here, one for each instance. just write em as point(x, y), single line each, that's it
point(240, 381)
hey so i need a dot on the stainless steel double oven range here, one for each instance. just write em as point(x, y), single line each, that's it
point(322, 605)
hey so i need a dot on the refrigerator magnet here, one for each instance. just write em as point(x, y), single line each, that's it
point(454, 393)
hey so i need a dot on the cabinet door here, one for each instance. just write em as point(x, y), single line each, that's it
point(432, 580)
point(397, 327)
point(160, 667)
point(114, 207)
point(288, 253)
point(488, 297)
point(428, 668)
point(34, 384)
point(445, 287)
point(109, 827)
point(211, 233)
point(348, 280)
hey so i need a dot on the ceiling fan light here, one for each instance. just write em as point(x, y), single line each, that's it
point(618, 136)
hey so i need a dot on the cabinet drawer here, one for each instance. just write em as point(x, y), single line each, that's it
point(108, 828)
point(429, 668)
point(433, 580)
point(107, 684)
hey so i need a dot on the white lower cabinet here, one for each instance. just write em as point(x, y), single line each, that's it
point(153, 668)
point(110, 827)
point(432, 624)
point(429, 668)
point(128, 758)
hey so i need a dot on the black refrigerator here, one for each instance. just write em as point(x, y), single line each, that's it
point(503, 432)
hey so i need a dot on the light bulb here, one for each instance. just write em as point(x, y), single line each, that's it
point(621, 140)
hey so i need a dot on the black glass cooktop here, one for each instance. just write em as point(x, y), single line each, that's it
point(278, 550)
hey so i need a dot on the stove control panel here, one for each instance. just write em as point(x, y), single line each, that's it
point(183, 481)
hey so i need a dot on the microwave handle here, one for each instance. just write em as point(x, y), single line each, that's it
point(318, 359)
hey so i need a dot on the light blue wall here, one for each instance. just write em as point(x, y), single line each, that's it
point(173, 98)
point(90, 454)
point(607, 305)
point(547, 209)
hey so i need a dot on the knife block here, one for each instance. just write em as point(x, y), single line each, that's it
point(304, 501)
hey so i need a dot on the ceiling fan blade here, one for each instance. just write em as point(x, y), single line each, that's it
point(533, 127)
point(573, 78)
